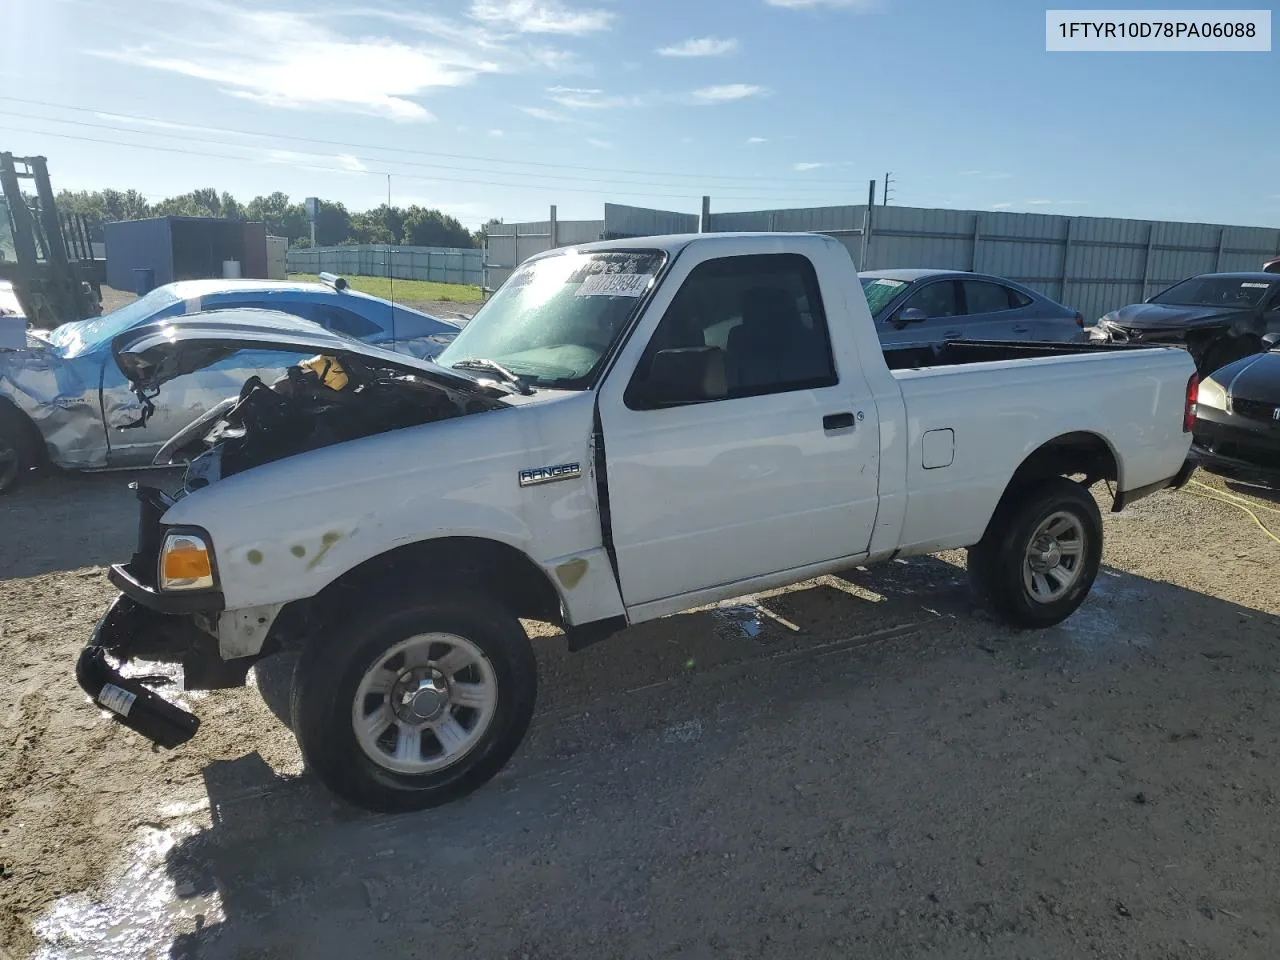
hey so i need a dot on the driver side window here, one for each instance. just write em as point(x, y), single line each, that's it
point(738, 327)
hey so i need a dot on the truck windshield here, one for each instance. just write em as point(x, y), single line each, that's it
point(82, 336)
point(1216, 292)
point(879, 291)
point(555, 319)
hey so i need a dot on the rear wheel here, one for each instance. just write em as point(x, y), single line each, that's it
point(1040, 554)
point(410, 703)
point(19, 449)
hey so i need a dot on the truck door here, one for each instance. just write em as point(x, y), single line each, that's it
point(774, 468)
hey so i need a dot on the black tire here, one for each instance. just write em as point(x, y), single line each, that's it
point(1229, 350)
point(996, 563)
point(19, 447)
point(328, 675)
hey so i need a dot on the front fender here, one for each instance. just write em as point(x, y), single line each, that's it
point(285, 530)
point(61, 399)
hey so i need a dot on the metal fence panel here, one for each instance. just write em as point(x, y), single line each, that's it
point(1092, 264)
point(623, 221)
point(436, 264)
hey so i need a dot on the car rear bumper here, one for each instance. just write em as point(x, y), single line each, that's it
point(1238, 447)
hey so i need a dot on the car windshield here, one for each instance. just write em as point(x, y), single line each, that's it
point(83, 336)
point(880, 290)
point(555, 319)
point(1238, 292)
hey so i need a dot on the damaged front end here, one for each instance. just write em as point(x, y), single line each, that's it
point(60, 397)
point(348, 389)
point(171, 607)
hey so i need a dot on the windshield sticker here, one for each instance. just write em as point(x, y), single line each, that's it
point(614, 285)
point(888, 283)
point(1257, 286)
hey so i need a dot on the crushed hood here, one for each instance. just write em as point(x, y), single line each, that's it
point(1159, 316)
point(153, 354)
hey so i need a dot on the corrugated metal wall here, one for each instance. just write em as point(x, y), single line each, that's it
point(510, 244)
point(1092, 264)
point(438, 264)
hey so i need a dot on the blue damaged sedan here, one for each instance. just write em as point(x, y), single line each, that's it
point(64, 402)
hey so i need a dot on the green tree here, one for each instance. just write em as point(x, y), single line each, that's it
point(333, 224)
point(431, 228)
point(283, 219)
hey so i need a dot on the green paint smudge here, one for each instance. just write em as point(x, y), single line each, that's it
point(255, 557)
point(326, 543)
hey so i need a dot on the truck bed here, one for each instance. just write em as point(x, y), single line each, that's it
point(957, 352)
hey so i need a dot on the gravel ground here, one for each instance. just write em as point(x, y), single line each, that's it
point(861, 765)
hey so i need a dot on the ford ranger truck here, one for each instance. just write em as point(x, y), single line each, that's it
point(626, 429)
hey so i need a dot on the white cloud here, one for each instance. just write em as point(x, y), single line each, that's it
point(540, 113)
point(757, 140)
point(602, 144)
point(145, 122)
point(997, 176)
point(802, 167)
point(540, 16)
point(1039, 203)
point(578, 98)
point(970, 173)
point(700, 47)
point(330, 58)
point(1001, 206)
point(336, 163)
point(497, 133)
point(726, 93)
point(815, 4)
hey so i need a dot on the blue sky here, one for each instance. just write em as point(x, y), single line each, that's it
point(502, 107)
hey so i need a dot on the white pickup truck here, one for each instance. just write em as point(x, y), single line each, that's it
point(627, 429)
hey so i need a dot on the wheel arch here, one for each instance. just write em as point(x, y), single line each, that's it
point(13, 413)
point(1080, 452)
point(504, 571)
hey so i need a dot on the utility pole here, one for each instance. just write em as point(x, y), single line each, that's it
point(887, 181)
point(866, 224)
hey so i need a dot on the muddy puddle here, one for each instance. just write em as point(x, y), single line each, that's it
point(139, 910)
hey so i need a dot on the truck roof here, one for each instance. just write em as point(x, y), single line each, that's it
point(675, 242)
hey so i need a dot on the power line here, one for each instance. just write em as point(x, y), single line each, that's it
point(700, 178)
point(825, 192)
point(407, 176)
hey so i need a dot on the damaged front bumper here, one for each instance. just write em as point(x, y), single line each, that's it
point(129, 630)
point(131, 703)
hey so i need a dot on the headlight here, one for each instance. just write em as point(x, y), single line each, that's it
point(1212, 395)
point(186, 563)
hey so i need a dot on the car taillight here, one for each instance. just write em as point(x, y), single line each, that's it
point(1079, 319)
point(1193, 396)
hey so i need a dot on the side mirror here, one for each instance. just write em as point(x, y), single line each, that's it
point(911, 315)
point(682, 375)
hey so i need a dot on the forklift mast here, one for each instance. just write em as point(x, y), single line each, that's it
point(47, 258)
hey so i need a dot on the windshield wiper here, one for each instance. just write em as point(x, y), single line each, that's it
point(479, 363)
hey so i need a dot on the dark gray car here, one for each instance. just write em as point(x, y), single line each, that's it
point(930, 306)
point(1218, 317)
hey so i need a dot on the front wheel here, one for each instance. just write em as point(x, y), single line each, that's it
point(18, 450)
point(1040, 554)
point(411, 703)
